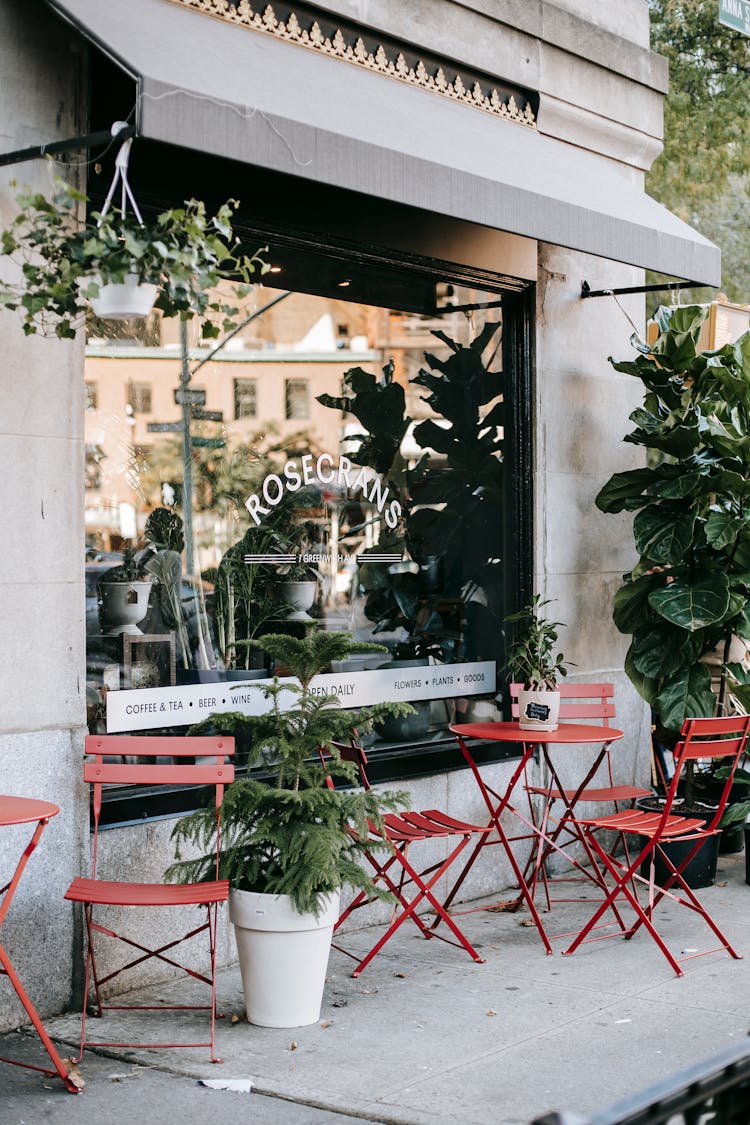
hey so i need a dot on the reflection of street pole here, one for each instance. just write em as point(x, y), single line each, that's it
point(187, 415)
point(187, 452)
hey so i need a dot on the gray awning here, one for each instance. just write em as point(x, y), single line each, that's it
point(222, 89)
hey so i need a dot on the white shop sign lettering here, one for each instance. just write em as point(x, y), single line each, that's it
point(147, 708)
point(326, 469)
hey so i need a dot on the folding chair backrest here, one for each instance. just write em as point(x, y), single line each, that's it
point(579, 702)
point(201, 761)
point(349, 752)
point(710, 738)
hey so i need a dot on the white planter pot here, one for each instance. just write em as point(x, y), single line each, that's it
point(538, 710)
point(283, 956)
point(120, 302)
point(300, 596)
point(122, 606)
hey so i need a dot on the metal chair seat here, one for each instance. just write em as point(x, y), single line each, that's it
point(102, 892)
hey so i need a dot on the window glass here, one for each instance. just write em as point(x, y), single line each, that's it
point(297, 399)
point(350, 475)
point(245, 398)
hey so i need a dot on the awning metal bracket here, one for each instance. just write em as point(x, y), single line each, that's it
point(89, 140)
point(587, 291)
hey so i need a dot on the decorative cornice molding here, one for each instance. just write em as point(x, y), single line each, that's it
point(350, 47)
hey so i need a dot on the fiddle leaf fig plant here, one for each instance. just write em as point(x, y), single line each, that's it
point(689, 591)
point(63, 261)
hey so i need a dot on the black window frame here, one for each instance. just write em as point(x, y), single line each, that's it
point(123, 806)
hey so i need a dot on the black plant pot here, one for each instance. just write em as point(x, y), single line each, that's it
point(731, 840)
point(406, 728)
point(699, 873)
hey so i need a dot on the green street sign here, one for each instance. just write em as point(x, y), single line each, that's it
point(735, 14)
point(194, 397)
point(164, 427)
point(207, 415)
point(208, 442)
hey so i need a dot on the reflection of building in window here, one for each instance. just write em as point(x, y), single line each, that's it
point(91, 396)
point(139, 397)
point(245, 398)
point(94, 455)
point(296, 399)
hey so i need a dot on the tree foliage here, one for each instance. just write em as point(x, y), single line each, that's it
point(703, 174)
point(707, 111)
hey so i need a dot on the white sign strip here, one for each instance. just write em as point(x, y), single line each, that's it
point(149, 708)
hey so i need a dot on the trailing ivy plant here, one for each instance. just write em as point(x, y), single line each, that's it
point(689, 591)
point(293, 835)
point(184, 251)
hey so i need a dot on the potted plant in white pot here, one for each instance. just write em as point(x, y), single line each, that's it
point(65, 263)
point(123, 593)
point(289, 843)
point(531, 660)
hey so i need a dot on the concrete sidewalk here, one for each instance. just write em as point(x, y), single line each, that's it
point(426, 1037)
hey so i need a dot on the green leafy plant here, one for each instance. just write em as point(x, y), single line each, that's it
point(293, 835)
point(162, 560)
point(531, 658)
point(131, 569)
point(689, 591)
point(245, 596)
point(63, 261)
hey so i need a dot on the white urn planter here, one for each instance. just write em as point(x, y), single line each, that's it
point(120, 302)
point(538, 710)
point(300, 596)
point(122, 606)
point(283, 956)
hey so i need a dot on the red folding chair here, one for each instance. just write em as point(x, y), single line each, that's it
point(700, 739)
point(393, 869)
point(581, 702)
point(145, 760)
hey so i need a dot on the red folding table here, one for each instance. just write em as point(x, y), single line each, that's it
point(569, 734)
point(14, 811)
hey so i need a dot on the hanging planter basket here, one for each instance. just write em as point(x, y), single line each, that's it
point(121, 302)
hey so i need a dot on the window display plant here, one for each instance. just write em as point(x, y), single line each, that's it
point(63, 261)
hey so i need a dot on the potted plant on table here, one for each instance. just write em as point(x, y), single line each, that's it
point(65, 264)
point(532, 662)
point(289, 843)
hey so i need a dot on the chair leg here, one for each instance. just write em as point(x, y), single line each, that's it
point(622, 888)
point(409, 907)
point(692, 902)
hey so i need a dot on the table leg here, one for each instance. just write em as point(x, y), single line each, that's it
point(59, 1065)
point(8, 970)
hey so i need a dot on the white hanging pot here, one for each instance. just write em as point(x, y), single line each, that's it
point(283, 956)
point(120, 302)
point(538, 710)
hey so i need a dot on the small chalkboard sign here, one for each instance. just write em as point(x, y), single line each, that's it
point(538, 711)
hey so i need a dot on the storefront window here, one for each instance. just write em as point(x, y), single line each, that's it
point(363, 490)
